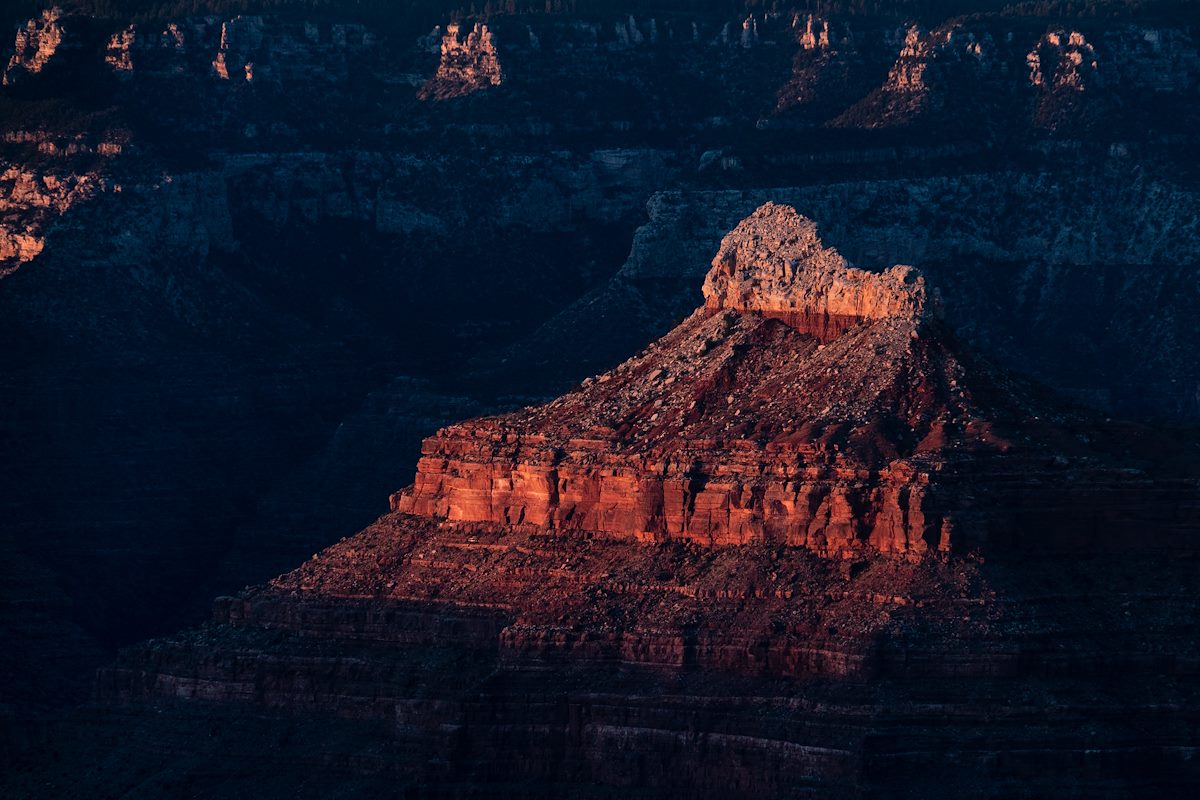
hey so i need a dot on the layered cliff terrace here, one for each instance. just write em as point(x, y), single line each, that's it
point(803, 404)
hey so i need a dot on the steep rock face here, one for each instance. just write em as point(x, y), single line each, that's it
point(1080, 273)
point(1062, 60)
point(808, 403)
point(241, 37)
point(833, 67)
point(716, 484)
point(1063, 67)
point(976, 73)
point(660, 448)
point(519, 563)
point(927, 77)
point(118, 54)
point(36, 44)
point(467, 64)
point(30, 201)
point(239, 50)
point(774, 264)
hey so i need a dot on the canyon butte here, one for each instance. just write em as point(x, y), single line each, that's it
point(804, 545)
point(836, 532)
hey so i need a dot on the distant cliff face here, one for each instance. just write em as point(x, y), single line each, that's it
point(856, 72)
point(468, 64)
point(1064, 67)
point(32, 200)
point(36, 43)
point(250, 77)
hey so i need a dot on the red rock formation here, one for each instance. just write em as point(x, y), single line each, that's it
point(1064, 68)
point(32, 200)
point(118, 53)
point(467, 65)
point(36, 44)
point(517, 563)
point(808, 403)
point(774, 264)
point(929, 69)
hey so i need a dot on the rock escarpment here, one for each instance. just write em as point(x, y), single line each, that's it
point(1064, 68)
point(36, 44)
point(833, 66)
point(933, 72)
point(241, 37)
point(640, 567)
point(1018, 280)
point(808, 403)
point(467, 64)
point(32, 200)
point(775, 264)
point(756, 420)
point(135, 334)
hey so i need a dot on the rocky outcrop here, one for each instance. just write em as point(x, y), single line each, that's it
point(808, 403)
point(774, 264)
point(36, 44)
point(832, 68)
point(1062, 60)
point(641, 566)
point(241, 49)
point(975, 72)
point(119, 52)
point(241, 37)
point(927, 77)
point(815, 33)
point(1079, 273)
point(658, 449)
point(30, 201)
point(263, 268)
point(467, 64)
point(1062, 67)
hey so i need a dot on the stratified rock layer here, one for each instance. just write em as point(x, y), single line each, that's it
point(460, 659)
point(129, 342)
point(775, 264)
point(808, 403)
point(640, 567)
